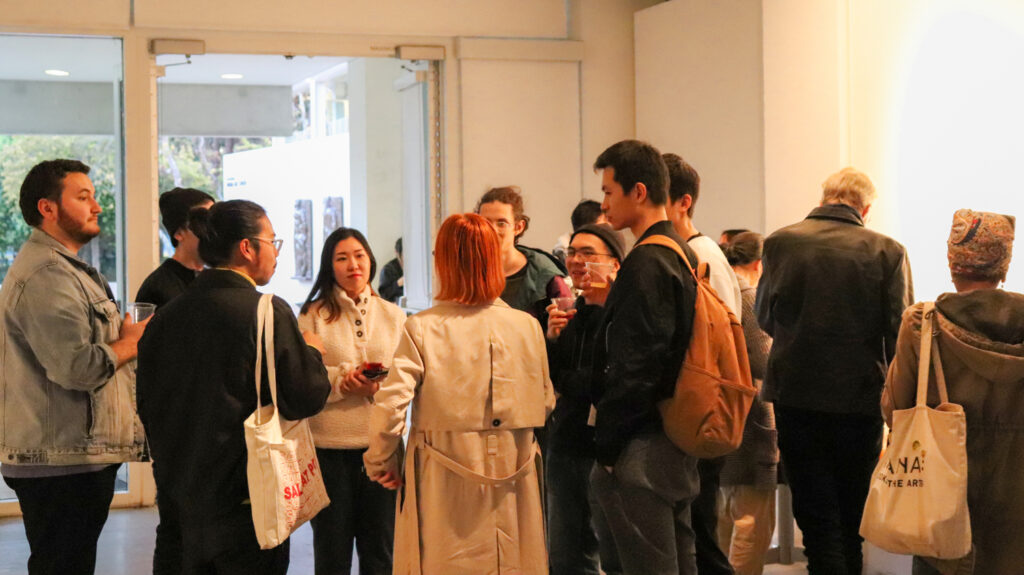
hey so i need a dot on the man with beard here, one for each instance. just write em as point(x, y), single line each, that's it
point(67, 416)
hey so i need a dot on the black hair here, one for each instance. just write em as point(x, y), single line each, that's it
point(743, 249)
point(323, 286)
point(222, 226)
point(732, 233)
point(398, 246)
point(683, 180)
point(176, 204)
point(45, 181)
point(637, 162)
point(586, 212)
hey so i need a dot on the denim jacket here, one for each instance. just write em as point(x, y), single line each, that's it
point(63, 401)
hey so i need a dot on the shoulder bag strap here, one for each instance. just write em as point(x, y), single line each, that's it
point(265, 337)
point(665, 241)
point(929, 358)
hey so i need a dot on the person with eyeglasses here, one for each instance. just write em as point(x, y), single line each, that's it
point(578, 533)
point(196, 387)
point(532, 276)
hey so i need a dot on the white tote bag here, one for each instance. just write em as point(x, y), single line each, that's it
point(285, 485)
point(917, 504)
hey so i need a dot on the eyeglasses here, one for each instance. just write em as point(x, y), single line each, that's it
point(277, 243)
point(584, 253)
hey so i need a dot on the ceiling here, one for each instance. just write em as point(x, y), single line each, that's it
point(25, 57)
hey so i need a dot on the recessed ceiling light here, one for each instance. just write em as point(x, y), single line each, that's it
point(231, 76)
point(61, 73)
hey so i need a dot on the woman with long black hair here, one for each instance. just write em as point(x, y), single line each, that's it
point(360, 331)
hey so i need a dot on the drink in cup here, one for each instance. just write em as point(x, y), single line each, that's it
point(599, 273)
point(565, 304)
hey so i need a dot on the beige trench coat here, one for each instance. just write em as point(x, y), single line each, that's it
point(477, 379)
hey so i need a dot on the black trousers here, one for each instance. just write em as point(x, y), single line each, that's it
point(829, 460)
point(168, 550)
point(711, 560)
point(361, 511)
point(580, 540)
point(63, 519)
point(244, 559)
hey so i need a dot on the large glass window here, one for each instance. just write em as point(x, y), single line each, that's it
point(319, 142)
point(60, 97)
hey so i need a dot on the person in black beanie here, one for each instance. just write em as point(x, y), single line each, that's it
point(165, 283)
point(175, 274)
point(579, 535)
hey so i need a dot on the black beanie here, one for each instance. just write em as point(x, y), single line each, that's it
point(175, 205)
point(611, 238)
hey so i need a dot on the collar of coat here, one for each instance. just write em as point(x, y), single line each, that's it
point(838, 212)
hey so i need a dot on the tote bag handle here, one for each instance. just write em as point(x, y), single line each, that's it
point(930, 355)
point(265, 338)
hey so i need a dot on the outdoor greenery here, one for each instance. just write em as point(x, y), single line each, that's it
point(17, 156)
point(195, 162)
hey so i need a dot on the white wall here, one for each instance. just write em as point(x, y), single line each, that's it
point(922, 96)
point(698, 94)
point(521, 126)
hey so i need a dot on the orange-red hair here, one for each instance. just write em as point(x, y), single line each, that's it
point(467, 256)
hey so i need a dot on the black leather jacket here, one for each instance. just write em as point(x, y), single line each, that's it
point(831, 296)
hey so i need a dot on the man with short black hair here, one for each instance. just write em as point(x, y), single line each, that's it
point(67, 413)
point(831, 295)
point(643, 482)
point(392, 277)
point(176, 273)
point(165, 283)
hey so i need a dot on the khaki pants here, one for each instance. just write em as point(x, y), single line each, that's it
point(746, 522)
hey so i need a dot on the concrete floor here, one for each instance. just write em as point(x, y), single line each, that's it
point(126, 547)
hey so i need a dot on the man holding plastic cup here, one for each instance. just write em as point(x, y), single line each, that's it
point(573, 529)
point(67, 418)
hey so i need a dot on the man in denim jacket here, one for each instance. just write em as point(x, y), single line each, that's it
point(67, 391)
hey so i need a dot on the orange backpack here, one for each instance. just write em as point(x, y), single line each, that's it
point(706, 414)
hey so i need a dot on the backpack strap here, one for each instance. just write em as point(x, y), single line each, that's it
point(667, 242)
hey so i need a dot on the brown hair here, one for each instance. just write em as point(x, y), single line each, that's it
point(467, 257)
point(510, 195)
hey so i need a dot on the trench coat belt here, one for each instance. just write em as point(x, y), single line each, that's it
point(409, 506)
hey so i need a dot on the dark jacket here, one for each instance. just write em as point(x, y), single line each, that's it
point(756, 462)
point(571, 360)
point(831, 297)
point(642, 341)
point(168, 281)
point(196, 386)
point(389, 276)
point(981, 343)
point(531, 288)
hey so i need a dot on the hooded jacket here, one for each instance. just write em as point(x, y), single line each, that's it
point(981, 343)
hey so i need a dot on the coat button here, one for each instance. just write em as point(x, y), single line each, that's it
point(362, 311)
point(359, 322)
point(496, 422)
point(359, 334)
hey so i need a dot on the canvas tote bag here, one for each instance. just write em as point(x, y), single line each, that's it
point(285, 485)
point(917, 504)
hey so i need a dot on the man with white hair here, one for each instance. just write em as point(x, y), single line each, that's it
point(831, 296)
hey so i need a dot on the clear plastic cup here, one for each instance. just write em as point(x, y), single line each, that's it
point(564, 303)
point(141, 311)
point(599, 273)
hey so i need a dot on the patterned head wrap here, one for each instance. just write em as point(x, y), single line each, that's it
point(980, 244)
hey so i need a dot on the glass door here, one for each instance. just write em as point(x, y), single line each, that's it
point(61, 97)
point(319, 142)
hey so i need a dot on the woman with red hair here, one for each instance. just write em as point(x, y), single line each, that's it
point(475, 371)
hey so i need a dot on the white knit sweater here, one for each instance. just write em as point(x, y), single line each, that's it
point(367, 330)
